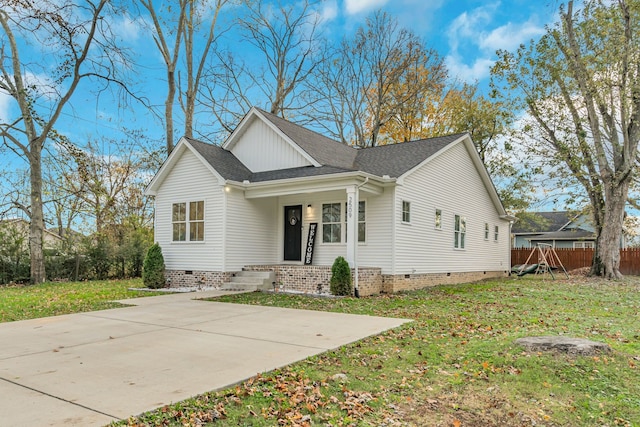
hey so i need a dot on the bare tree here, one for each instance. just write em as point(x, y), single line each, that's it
point(286, 39)
point(165, 28)
point(197, 15)
point(359, 85)
point(78, 45)
point(189, 25)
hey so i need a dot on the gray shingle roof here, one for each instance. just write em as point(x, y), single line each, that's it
point(542, 222)
point(575, 234)
point(397, 159)
point(221, 160)
point(393, 160)
point(300, 172)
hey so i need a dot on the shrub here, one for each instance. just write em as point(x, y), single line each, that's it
point(153, 268)
point(340, 283)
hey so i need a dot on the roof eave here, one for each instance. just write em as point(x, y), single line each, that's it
point(285, 186)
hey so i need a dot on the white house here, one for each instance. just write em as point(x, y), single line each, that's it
point(406, 215)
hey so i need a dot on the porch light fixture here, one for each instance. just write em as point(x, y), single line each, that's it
point(309, 206)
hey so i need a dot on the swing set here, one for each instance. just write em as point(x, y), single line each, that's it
point(547, 261)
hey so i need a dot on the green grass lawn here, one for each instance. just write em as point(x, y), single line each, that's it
point(52, 299)
point(456, 364)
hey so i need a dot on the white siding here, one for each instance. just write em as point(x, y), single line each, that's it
point(377, 251)
point(261, 149)
point(374, 252)
point(451, 183)
point(190, 181)
point(250, 232)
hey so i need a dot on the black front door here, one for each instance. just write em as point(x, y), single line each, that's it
point(293, 233)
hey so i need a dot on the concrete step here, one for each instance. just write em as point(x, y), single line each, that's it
point(250, 281)
point(251, 273)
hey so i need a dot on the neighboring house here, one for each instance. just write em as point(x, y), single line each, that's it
point(18, 228)
point(407, 215)
point(561, 229)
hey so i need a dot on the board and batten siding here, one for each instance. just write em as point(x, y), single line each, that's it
point(190, 181)
point(374, 252)
point(250, 232)
point(449, 182)
point(262, 149)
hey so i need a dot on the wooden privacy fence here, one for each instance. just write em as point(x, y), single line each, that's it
point(578, 258)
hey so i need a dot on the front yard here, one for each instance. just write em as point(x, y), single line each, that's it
point(454, 365)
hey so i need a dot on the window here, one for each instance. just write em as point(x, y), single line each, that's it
point(196, 221)
point(179, 219)
point(438, 219)
point(460, 229)
point(331, 222)
point(583, 245)
point(194, 211)
point(486, 231)
point(406, 211)
point(496, 232)
point(362, 224)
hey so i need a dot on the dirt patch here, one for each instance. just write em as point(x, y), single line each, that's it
point(490, 409)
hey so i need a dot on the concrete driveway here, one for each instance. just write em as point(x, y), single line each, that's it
point(93, 368)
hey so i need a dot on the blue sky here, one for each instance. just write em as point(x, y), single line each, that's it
point(465, 32)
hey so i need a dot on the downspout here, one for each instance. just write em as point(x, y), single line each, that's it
point(355, 248)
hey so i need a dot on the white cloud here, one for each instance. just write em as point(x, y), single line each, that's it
point(329, 11)
point(468, 72)
point(356, 6)
point(465, 26)
point(510, 36)
point(42, 84)
point(127, 28)
point(470, 35)
point(5, 106)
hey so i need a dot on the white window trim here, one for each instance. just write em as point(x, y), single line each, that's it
point(486, 231)
point(457, 233)
point(357, 223)
point(583, 243)
point(402, 211)
point(187, 222)
point(496, 233)
point(435, 216)
point(341, 222)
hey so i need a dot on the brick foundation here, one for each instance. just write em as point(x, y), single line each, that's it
point(410, 282)
point(193, 278)
point(314, 279)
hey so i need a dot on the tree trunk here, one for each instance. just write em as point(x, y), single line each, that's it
point(606, 261)
point(168, 108)
point(36, 229)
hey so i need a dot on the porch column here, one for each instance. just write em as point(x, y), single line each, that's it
point(352, 224)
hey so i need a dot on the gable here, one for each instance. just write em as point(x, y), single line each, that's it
point(260, 148)
point(184, 150)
